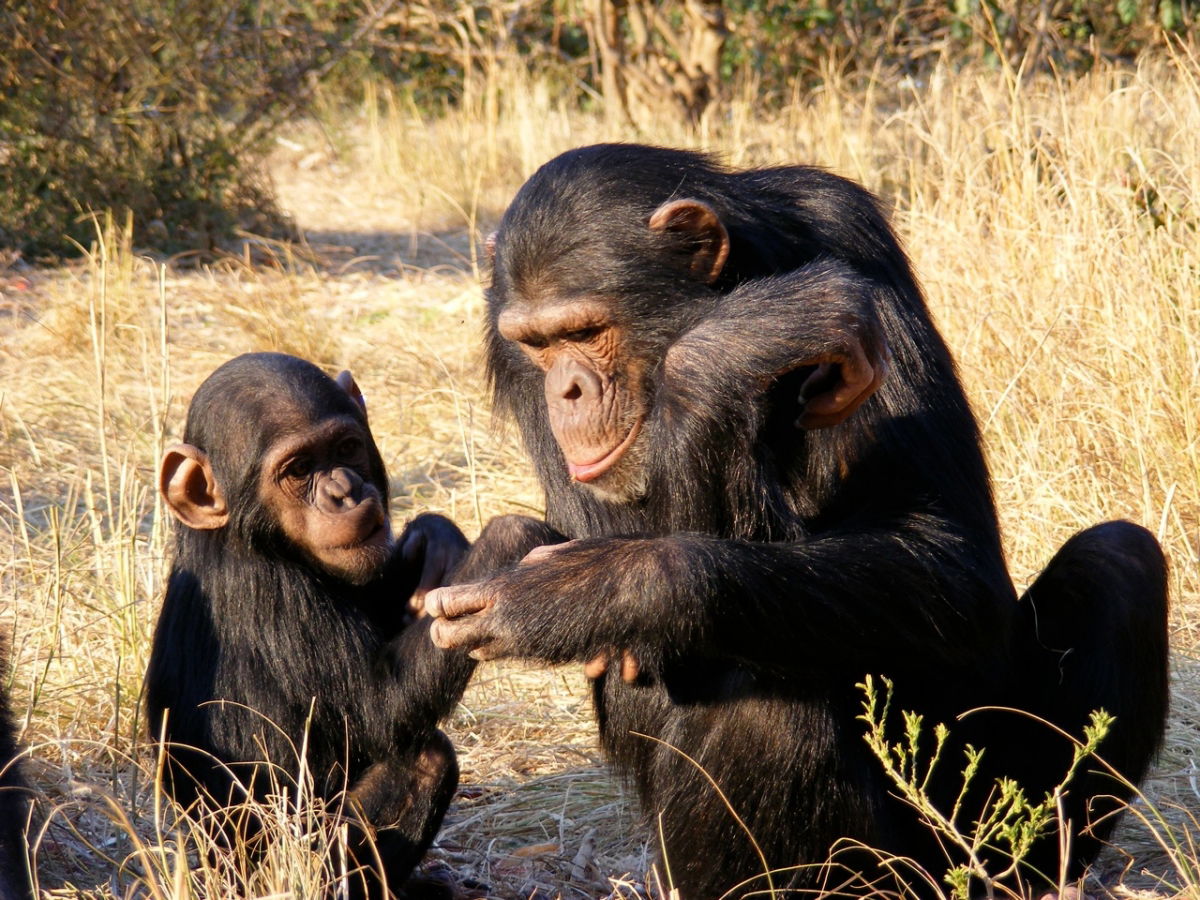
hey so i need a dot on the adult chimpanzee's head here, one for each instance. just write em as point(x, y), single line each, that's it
point(604, 258)
point(278, 457)
point(595, 268)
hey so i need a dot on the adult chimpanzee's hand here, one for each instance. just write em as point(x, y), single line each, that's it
point(463, 612)
point(463, 620)
point(520, 612)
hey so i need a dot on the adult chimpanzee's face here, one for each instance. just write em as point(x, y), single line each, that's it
point(315, 482)
point(597, 352)
point(593, 387)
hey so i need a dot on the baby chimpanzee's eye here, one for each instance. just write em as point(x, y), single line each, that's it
point(298, 468)
point(350, 448)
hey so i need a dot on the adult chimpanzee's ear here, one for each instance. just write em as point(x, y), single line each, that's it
point(839, 385)
point(187, 484)
point(347, 383)
point(700, 222)
point(489, 246)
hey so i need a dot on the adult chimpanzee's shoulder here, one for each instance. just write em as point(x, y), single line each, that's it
point(828, 214)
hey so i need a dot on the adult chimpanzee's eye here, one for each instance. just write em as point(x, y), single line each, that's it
point(580, 335)
point(534, 342)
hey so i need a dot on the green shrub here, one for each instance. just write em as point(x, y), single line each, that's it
point(162, 109)
point(1009, 822)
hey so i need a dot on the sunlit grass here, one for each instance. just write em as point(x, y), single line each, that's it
point(1054, 224)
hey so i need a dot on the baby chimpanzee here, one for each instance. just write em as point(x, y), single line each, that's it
point(287, 620)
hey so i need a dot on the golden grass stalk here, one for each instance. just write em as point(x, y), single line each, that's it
point(1053, 222)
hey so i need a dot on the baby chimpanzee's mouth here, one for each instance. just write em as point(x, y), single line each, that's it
point(366, 524)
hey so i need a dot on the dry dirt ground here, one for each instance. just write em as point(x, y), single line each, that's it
point(97, 361)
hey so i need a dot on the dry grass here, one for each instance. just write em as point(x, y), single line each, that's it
point(1054, 225)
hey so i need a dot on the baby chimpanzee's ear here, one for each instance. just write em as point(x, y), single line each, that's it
point(347, 383)
point(191, 492)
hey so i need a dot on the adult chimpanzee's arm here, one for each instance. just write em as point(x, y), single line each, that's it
point(902, 580)
point(877, 595)
point(821, 316)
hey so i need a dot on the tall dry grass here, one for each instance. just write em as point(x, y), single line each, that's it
point(1053, 222)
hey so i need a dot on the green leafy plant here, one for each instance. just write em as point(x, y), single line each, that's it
point(1010, 821)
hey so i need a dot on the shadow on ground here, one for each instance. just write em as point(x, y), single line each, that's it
point(393, 253)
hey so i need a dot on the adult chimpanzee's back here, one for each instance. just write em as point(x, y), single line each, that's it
point(743, 416)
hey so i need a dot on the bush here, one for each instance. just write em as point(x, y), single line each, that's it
point(159, 109)
point(783, 44)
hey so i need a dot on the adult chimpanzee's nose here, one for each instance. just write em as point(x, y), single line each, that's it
point(343, 487)
point(570, 382)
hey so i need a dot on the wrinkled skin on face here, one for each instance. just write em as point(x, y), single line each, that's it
point(593, 397)
point(317, 486)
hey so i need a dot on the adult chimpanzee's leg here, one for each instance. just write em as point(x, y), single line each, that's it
point(1098, 612)
point(745, 830)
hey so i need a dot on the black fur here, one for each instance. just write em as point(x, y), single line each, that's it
point(767, 569)
point(257, 652)
point(14, 802)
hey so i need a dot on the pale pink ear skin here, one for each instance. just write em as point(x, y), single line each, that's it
point(191, 492)
point(840, 386)
point(699, 220)
point(347, 383)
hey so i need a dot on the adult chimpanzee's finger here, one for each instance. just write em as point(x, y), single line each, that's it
point(489, 650)
point(599, 664)
point(630, 667)
point(537, 554)
point(433, 603)
point(468, 633)
point(453, 601)
point(436, 601)
point(596, 666)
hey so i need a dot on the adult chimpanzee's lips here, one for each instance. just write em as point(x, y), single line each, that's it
point(584, 472)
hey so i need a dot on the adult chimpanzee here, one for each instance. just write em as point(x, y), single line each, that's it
point(14, 804)
point(286, 621)
point(740, 411)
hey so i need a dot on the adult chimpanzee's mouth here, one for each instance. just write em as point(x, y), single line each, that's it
point(585, 472)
